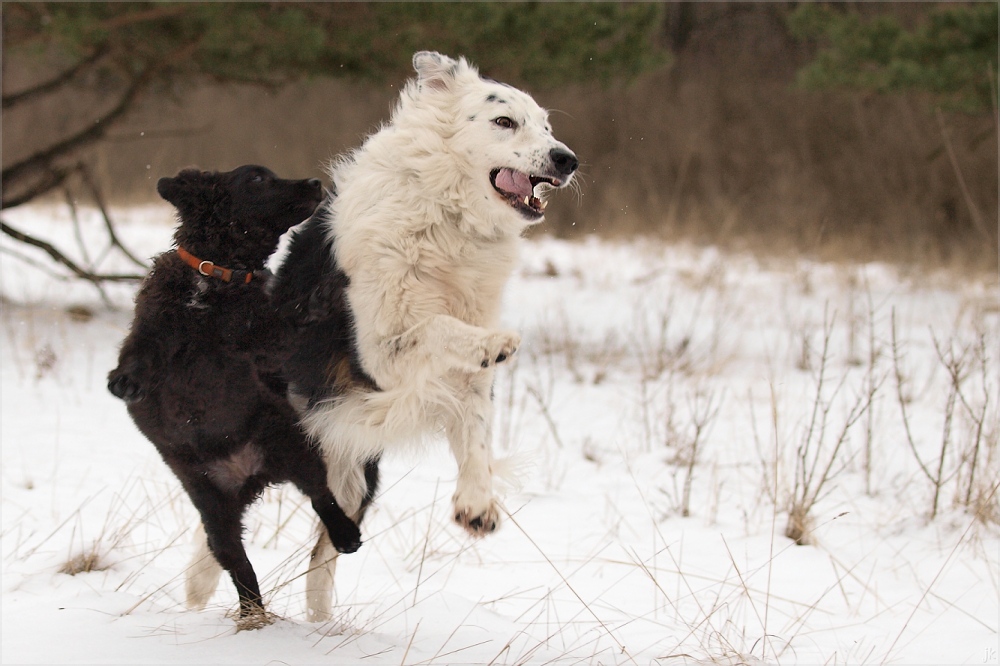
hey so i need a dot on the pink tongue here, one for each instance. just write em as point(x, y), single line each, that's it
point(515, 182)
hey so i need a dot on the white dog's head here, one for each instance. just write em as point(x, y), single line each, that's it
point(500, 137)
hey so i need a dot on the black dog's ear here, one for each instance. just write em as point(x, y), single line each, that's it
point(183, 185)
point(167, 188)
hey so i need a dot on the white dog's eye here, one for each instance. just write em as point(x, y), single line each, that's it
point(505, 122)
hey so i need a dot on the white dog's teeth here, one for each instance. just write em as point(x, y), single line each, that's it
point(543, 204)
point(527, 199)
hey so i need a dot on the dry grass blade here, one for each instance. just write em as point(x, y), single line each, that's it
point(576, 594)
point(423, 553)
point(409, 644)
point(930, 586)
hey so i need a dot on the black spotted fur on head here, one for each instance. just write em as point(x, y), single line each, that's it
point(235, 218)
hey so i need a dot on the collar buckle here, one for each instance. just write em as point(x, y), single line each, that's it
point(210, 271)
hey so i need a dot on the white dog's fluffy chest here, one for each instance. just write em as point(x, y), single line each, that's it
point(401, 275)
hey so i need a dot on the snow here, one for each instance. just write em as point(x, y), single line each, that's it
point(633, 352)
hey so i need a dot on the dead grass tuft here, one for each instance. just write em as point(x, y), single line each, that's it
point(86, 562)
point(256, 620)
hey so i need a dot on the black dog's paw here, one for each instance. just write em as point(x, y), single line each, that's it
point(343, 532)
point(122, 386)
point(346, 538)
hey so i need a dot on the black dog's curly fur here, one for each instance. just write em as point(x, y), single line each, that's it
point(198, 366)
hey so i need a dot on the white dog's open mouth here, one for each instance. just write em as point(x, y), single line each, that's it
point(519, 190)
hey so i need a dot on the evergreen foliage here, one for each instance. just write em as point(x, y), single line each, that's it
point(544, 44)
point(951, 53)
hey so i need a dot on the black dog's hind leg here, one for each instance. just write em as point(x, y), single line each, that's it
point(361, 482)
point(294, 458)
point(310, 478)
point(222, 517)
point(344, 533)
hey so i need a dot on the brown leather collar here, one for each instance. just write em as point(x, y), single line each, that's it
point(208, 269)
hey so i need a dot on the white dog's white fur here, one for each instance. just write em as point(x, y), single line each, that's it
point(428, 243)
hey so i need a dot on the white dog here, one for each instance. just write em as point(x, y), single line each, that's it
point(424, 234)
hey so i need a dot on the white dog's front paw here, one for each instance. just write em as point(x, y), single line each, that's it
point(477, 519)
point(498, 347)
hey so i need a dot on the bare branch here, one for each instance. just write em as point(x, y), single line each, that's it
point(543, 406)
point(44, 158)
point(902, 400)
point(58, 81)
point(704, 409)
point(36, 264)
point(95, 192)
point(60, 258)
point(860, 406)
point(50, 179)
point(77, 231)
point(978, 419)
point(154, 14)
point(95, 131)
point(815, 460)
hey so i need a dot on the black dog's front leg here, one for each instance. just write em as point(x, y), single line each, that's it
point(138, 368)
point(123, 385)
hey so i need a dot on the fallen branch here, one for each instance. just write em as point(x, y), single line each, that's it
point(60, 258)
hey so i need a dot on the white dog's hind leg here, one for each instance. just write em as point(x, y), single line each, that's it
point(203, 573)
point(348, 484)
point(319, 579)
point(469, 433)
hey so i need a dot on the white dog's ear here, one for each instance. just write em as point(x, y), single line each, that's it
point(434, 70)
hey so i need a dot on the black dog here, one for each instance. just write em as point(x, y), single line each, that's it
point(197, 368)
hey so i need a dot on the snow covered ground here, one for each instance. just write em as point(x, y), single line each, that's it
point(673, 405)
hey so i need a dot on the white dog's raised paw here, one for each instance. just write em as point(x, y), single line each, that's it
point(499, 347)
point(478, 523)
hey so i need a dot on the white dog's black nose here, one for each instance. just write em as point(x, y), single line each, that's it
point(564, 161)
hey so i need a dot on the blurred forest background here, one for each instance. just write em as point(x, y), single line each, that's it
point(845, 131)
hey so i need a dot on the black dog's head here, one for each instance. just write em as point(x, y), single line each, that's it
point(235, 218)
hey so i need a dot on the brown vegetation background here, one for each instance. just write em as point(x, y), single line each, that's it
point(719, 147)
